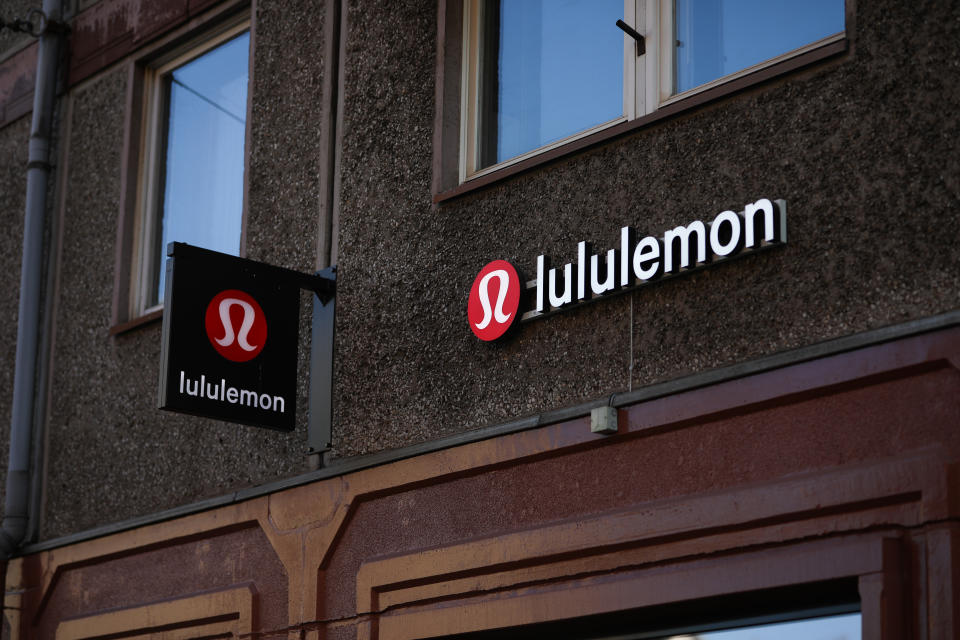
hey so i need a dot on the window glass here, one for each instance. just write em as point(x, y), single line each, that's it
point(538, 73)
point(202, 160)
point(843, 627)
point(715, 38)
point(549, 69)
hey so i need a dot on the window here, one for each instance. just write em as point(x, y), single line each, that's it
point(838, 627)
point(798, 625)
point(540, 73)
point(719, 38)
point(191, 174)
point(545, 70)
point(820, 611)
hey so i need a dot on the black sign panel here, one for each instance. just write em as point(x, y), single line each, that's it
point(230, 338)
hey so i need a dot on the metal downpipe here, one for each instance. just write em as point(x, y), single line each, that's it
point(16, 508)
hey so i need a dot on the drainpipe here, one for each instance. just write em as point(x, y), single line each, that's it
point(16, 509)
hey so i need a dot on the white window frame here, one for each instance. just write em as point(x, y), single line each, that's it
point(152, 145)
point(647, 84)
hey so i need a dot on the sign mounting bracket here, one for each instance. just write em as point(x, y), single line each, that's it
point(323, 332)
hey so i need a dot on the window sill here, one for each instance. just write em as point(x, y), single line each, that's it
point(136, 323)
point(665, 112)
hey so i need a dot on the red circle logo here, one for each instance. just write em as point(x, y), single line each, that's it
point(494, 300)
point(236, 325)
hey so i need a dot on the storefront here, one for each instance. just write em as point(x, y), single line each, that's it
point(687, 370)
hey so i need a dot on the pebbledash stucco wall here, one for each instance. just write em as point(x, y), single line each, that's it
point(111, 454)
point(861, 146)
point(13, 184)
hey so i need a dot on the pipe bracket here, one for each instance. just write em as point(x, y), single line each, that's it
point(36, 24)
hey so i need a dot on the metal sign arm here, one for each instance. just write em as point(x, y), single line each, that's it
point(319, 429)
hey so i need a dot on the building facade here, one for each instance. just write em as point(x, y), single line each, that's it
point(665, 440)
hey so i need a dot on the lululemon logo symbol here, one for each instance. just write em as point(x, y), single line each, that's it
point(494, 300)
point(236, 326)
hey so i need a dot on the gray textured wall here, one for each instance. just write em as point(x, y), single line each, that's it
point(112, 454)
point(863, 148)
point(13, 186)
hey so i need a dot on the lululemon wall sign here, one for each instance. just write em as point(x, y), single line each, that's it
point(230, 330)
point(497, 301)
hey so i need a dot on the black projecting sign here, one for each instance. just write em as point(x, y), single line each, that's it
point(230, 338)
